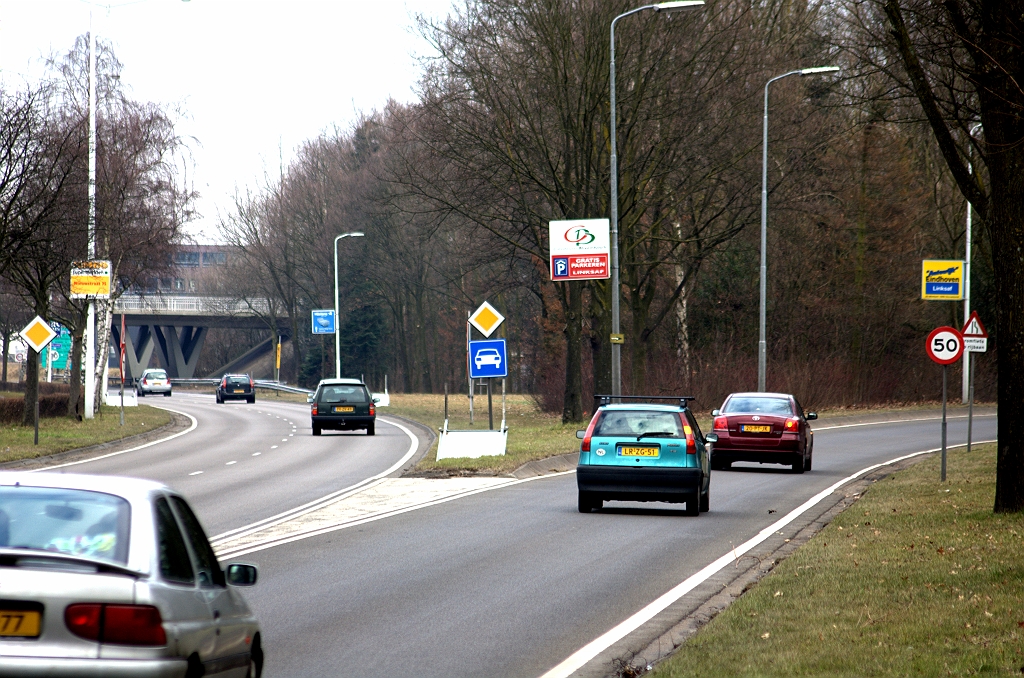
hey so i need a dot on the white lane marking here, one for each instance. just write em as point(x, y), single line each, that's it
point(581, 657)
point(133, 449)
point(273, 447)
point(256, 454)
point(327, 499)
point(195, 473)
point(284, 440)
point(291, 434)
point(230, 463)
point(898, 421)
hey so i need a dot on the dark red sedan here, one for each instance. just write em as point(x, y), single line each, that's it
point(768, 428)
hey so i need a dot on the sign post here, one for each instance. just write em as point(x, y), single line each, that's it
point(945, 346)
point(486, 319)
point(37, 334)
point(975, 341)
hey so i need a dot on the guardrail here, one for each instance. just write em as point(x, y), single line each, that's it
point(260, 383)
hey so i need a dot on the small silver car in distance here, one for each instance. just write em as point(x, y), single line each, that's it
point(106, 576)
point(153, 382)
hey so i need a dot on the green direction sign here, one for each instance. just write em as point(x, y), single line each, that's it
point(59, 348)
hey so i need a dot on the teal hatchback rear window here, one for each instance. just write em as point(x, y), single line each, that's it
point(629, 423)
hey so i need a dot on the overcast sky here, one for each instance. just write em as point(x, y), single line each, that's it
point(252, 76)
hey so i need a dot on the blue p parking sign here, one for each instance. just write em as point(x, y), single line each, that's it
point(488, 359)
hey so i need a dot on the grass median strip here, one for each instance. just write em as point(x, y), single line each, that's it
point(916, 578)
point(532, 434)
point(60, 434)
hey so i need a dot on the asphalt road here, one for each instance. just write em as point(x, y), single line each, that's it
point(508, 582)
point(245, 463)
point(512, 581)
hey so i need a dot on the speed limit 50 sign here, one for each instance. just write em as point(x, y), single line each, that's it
point(945, 345)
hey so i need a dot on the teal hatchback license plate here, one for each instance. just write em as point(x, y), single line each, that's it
point(630, 451)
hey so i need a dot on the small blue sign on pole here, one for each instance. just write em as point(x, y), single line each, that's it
point(324, 322)
point(488, 359)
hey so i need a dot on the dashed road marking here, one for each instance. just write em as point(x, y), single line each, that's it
point(273, 447)
point(195, 473)
point(256, 454)
point(230, 463)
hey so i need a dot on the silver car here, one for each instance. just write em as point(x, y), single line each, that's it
point(153, 382)
point(105, 576)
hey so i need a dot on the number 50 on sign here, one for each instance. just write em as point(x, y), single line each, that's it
point(945, 345)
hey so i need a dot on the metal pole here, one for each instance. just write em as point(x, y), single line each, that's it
point(970, 406)
point(337, 312)
point(968, 361)
point(337, 325)
point(35, 406)
point(762, 350)
point(614, 166)
point(469, 372)
point(90, 325)
point(945, 368)
point(490, 407)
point(503, 427)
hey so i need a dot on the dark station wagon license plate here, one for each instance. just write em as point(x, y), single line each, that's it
point(343, 409)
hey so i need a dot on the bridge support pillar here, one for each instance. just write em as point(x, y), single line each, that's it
point(138, 350)
point(180, 348)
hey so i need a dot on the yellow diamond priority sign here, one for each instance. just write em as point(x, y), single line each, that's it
point(486, 319)
point(38, 334)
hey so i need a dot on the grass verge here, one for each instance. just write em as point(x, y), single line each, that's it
point(61, 434)
point(918, 578)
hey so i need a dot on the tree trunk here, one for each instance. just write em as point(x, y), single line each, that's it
point(75, 357)
point(31, 387)
point(4, 339)
point(1006, 228)
point(572, 407)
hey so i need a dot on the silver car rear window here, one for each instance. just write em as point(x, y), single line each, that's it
point(758, 405)
point(635, 423)
point(76, 522)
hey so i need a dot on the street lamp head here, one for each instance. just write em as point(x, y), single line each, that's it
point(819, 69)
point(677, 5)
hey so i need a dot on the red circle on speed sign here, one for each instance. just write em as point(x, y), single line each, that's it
point(945, 345)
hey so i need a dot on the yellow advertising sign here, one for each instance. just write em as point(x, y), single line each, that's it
point(90, 279)
point(942, 280)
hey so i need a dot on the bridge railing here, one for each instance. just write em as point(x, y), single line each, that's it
point(160, 304)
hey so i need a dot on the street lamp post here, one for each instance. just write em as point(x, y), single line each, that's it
point(668, 8)
point(967, 275)
point(762, 351)
point(337, 324)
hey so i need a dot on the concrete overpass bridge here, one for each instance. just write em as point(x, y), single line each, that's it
point(176, 326)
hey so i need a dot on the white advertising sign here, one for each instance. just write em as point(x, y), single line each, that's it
point(580, 249)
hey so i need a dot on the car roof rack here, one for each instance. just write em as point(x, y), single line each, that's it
point(602, 400)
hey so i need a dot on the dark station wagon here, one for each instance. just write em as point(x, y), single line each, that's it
point(342, 405)
point(236, 387)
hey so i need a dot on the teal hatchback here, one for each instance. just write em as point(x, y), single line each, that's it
point(641, 451)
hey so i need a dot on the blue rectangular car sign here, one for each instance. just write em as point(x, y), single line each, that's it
point(488, 359)
point(323, 322)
